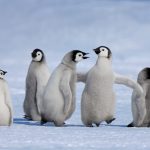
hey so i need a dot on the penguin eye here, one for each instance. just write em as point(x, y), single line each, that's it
point(39, 54)
point(103, 49)
point(80, 55)
point(1, 73)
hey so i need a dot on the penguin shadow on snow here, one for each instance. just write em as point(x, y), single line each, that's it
point(23, 121)
point(115, 125)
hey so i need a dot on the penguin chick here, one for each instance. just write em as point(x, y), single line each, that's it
point(59, 94)
point(97, 79)
point(144, 80)
point(98, 97)
point(137, 100)
point(2, 74)
point(6, 113)
point(36, 80)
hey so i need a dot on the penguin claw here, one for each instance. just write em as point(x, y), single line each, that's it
point(27, 117)
point(89, 125)
point(130, 125)
point(110, 121)
point(43, 121)
point(97, 124)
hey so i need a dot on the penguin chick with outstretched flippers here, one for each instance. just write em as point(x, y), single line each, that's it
point(98, 96)
point(59, 94)
point(36, 80)
point(6, 113)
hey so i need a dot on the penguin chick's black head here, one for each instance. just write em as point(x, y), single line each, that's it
point(78, 55)
point(37, 55)
point(2, 74)
point(103, 51)
point(146, 72)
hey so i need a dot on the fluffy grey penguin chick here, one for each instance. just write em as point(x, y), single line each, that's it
point(36, 80)
point(144, 80)
point(98, 98)
point(59, 94)
point(6, 112)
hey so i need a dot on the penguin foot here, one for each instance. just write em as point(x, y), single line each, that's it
point(130, 125)
point(89, 125)
point(27, 117)
point(97, 124)
point(43, 121)
point(110, 121)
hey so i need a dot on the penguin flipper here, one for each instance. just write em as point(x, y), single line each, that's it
point(31, 89)
point(138, 98)
point(81, 77)
point(66, 91)
point(8, 103)
point(119, 79)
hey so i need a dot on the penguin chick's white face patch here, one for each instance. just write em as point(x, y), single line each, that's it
point(103, 51)
point(2, 74)
point(79, 57)
point(37, 55)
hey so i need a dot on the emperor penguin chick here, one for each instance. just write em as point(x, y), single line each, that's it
point(59, 94)
point(98, 97)
point(6, 116)
point(36, 80)
point(144, 80)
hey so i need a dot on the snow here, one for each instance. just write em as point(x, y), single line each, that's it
point(25, 134)
point(57, 26)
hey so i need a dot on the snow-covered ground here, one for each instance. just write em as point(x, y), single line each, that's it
point(57, 26)
point(25, 134)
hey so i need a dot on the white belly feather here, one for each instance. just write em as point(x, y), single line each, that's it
point(98, 98)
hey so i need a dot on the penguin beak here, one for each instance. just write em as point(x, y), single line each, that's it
point(33, 55)
point(85, 57)
point(5, 72)
point(97, 51)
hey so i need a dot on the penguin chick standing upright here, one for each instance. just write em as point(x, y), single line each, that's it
point(59, 94)
point(6, 116)
point(98, 97)
point(36, 80)
point(144, 80)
